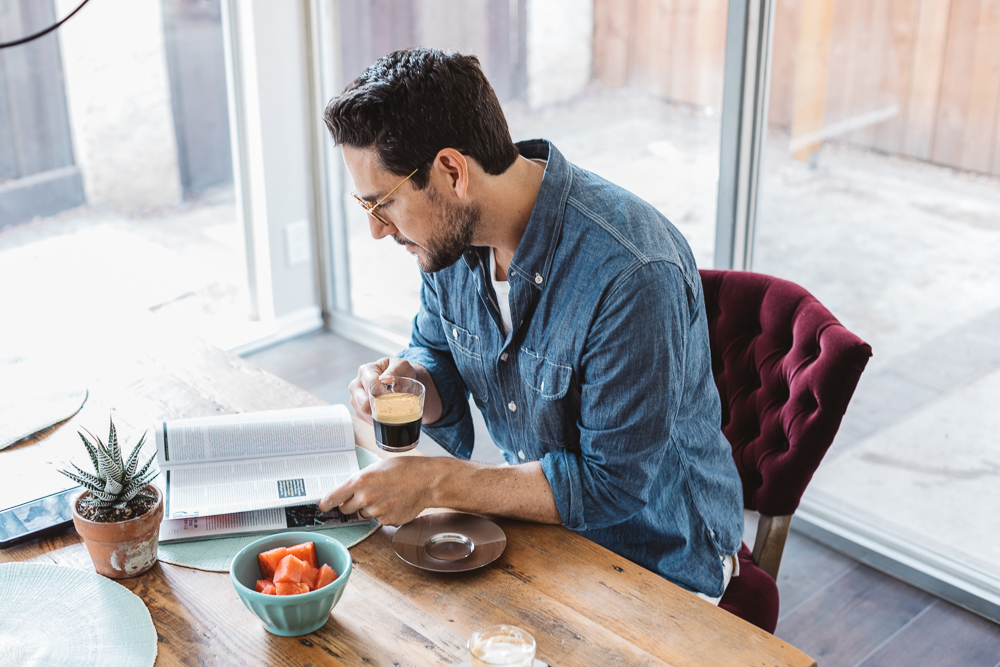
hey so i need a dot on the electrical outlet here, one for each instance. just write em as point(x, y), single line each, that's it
point(298, 243)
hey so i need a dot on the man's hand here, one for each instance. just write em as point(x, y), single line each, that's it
point(394, 490)
point(385, 369)
point(397, 489)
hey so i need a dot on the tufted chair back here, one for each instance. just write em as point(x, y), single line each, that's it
point(786, 370)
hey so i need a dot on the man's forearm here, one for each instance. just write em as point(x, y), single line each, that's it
point(397, 489)
point(518, 492)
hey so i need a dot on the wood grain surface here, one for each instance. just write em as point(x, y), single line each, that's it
point(810, 74)
point(584, 604)
point(936, 63)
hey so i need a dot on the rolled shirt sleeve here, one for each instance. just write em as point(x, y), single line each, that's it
point(632, 381)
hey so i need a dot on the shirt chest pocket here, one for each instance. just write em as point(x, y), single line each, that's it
point(553, 408)
point(467, 353)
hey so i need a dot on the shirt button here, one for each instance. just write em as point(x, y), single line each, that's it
point(512, 406)
point(454, 332)
point(538, 279)
point(520, 455)
point(503, 357)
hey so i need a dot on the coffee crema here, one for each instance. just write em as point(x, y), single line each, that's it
point(396, 408)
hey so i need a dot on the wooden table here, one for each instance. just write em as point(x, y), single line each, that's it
point(584, 604)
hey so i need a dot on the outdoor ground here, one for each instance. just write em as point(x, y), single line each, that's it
point(186, 264)
point(905, 254)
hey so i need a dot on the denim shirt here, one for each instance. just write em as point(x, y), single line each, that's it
point(605, 376)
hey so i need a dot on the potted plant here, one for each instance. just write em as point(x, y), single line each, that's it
point(118, 515)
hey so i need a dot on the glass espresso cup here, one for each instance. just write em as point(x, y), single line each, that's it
point(397, 412)
point(505, 645)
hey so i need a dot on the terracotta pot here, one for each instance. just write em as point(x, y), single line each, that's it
point(126, 548)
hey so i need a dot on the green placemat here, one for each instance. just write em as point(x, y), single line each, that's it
point(53, 615)
point(216, 555)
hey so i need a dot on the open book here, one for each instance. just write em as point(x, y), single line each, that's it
point(254, 461)
point(300, 517)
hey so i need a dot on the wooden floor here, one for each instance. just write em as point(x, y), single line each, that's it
point(837, 610)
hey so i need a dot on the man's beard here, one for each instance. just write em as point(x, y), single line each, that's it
point(459, 222)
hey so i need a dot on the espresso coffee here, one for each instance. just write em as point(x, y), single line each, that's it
point(397, 419)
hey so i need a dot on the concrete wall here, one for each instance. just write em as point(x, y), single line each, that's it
point(118, 95)
point(560, 39)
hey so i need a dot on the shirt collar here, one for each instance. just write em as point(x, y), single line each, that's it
point(534, 255)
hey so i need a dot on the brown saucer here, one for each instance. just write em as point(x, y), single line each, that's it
point(449, 542)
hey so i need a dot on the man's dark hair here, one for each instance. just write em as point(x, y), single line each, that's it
point(410, 104)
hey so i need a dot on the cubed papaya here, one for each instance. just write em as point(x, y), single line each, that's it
point(289, 570)
point(305, 552)
point(290, 588)
point(309, 575)
point(326, 575)
point(269, 561)
point(262, 584)
point(269, 589)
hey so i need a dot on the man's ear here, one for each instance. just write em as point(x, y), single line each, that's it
point(451, 168)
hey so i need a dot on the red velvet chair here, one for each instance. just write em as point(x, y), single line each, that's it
point(786, 370)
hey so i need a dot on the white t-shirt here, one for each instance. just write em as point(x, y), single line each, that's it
point(502, 289)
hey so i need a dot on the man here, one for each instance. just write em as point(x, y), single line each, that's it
point(571, 310)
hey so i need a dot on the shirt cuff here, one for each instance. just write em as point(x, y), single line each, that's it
point(562, 470)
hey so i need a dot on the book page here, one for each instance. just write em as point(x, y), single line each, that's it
point(299, 517)
point(263, 434)
point(238, 486)
point(205, 527)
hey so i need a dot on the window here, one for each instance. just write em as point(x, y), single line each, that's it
point(595, 78)
point(116, 183)
point(880, 194)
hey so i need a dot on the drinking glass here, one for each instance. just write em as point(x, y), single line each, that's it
point(397, 412)
point(501, 645)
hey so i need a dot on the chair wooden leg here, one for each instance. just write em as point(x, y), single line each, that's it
point(772, 531)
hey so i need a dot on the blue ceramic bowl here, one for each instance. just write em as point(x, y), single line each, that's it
point(291, 615)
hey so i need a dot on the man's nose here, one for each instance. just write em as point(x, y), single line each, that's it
point(378, 229)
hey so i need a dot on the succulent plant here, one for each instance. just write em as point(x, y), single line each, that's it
point(117, 481)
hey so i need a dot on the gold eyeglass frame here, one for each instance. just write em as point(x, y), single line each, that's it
point(370, 208)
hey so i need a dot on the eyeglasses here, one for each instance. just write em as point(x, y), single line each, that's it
point(370, 208)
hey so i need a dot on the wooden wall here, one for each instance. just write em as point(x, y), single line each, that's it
point(38, 174)
point(34, 128)
point(673, 48)
point(192, 31)
point(911, 77)
point(491, 29)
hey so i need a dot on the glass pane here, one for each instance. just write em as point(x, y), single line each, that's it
point(880, 195)
point(629, 90)
point(116, 183)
